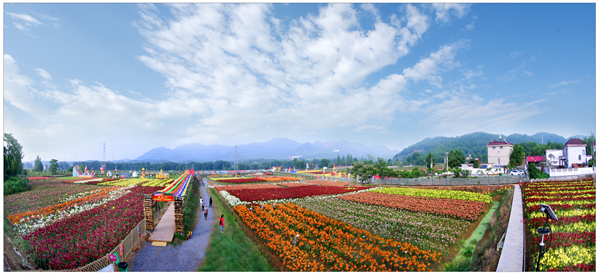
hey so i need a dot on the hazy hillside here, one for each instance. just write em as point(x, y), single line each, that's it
point(279, 148)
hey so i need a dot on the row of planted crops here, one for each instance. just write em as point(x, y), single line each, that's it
point(573, 244)
point(331, 226)
point(65, 224)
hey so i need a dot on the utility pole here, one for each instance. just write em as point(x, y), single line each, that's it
point(235, 167)
point(104, 151)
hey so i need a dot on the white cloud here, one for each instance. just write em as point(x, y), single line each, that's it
point(24, 17)
point(563, 83)
point(470, 74)
point(444, 11)
point(463, 112)
point(514, 73)
point(43, 73)
point(426, 68)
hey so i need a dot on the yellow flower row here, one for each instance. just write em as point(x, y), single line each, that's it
point(433, 193)
point(572, 255)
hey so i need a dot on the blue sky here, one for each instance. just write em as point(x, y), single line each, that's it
point(138, 77)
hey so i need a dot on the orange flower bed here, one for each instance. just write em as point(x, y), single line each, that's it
point(328, 183)
point(326, 244)
point(468, 210)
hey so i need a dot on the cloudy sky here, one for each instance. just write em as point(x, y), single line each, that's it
point(138, 77)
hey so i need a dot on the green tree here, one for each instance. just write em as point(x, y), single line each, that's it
point(517, 156)
point(53, 166)
point(363, 171)
point(37, 165)
point(588, 141)
point(415, 173)
point(13, 154)
point(324, 163)
point(430, 162)
point(456, 158)
point(338, 161)
point(476, 164)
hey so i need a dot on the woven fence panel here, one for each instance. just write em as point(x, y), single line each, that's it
point(493, 180)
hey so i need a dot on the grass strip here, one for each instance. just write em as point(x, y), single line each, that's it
point(466, 251)
point(231, 250)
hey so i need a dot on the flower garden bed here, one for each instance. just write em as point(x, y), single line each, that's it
point(573, 245)
point(251, 195)
point(464, 209)
point(424, 230)
point(326, 244)
point(89, 235)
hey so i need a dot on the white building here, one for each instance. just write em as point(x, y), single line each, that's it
point(570, 161)
point(499, 152)
point(552, 157)
point(573, 153)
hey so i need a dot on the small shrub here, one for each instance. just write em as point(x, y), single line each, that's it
point(468, 253)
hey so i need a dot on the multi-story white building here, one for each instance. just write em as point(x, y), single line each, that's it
point(573, 153)
point(560, 162)
point(499, 152)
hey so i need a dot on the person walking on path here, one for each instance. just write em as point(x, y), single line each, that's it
point(205, 212)
point(222, 222)
point(201, 202)
point(210, 202)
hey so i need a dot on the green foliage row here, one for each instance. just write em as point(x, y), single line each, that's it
point(13, 155)
point(432, 193)
point(192, 202)
point(534, 173)
point(15, 185)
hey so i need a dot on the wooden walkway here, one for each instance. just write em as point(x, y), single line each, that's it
point(165, 229)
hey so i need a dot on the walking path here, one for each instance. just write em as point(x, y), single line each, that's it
point(186, 257)
point(511, 258)
point(165, 229)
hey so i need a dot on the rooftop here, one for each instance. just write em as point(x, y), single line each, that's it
point(575, 142)
point(500, 142)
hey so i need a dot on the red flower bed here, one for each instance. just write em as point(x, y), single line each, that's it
point(540, 221)
point(251, 186)
point(87, 236)
point(560, 206)
point(251, 195)
point(577, 267)
point(464, 209)
point(242, 180)
point(328, 183)
point(566, 239)
point(39, 177)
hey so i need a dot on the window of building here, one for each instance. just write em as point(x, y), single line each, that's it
point(500, 147)
point(579, 157)
point(494, 148)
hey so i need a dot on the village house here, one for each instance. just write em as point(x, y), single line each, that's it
point(499, 152)
point(570, 161)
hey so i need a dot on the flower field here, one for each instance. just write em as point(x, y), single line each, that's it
point(326, 244)
point(86, 236)
point(254, 179)
point(464, 209)
point(142, 181)
point(327, 183)
point(424, 230)
point(573, 245)
point(445, 194)
point(44, 193)
point(251, 195)
point(33, 219)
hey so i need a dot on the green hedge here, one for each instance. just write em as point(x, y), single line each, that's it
point(15, 185)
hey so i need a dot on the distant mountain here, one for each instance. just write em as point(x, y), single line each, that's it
point(278, 148)
point(474, 143)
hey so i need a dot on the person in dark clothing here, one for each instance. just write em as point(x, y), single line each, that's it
point(210, 202)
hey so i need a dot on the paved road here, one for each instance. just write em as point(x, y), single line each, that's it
point(511, 258)
point(186, 257)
